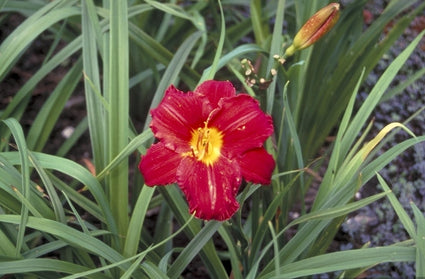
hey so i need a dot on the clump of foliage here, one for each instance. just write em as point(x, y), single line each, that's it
point(59, 217)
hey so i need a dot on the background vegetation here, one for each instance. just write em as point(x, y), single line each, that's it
point(61, 215)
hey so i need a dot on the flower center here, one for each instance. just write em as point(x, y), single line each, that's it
point(206, 144)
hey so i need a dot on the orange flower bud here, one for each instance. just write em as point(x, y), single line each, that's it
point(316, 27)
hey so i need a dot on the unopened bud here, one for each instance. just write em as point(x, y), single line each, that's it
point(315, 28)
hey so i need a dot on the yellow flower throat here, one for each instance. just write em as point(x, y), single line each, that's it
point(206, 144)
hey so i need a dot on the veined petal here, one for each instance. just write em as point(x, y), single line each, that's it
point(215, 90)
point(175, 117)
point(159, 165)
point(257, 166)
point(243, 124)
point(210, 189)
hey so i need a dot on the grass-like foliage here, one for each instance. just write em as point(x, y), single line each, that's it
point(58, 218)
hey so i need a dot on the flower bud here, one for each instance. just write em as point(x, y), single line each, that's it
point(316, 27)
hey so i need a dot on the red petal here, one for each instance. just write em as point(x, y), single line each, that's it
point(215, 90)
point(257, 166)
point(159, 165)
point(210, 189)
point(176, 116)
point(243, 124)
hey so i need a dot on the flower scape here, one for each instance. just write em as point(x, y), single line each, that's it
point(208, 140)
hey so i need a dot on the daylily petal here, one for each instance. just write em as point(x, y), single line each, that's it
point(215, 90)
point(257, 166)
point(210, 189)
point(159, 165)
point(173, 120)
point(243, 124)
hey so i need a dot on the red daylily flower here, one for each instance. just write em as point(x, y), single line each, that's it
point(208, 140)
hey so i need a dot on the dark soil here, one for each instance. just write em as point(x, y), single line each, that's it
point(376, 223)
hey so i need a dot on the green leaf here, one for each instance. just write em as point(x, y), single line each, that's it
point(258, 26)
point(419, 241)
point(232, 248)
point(2, 4)
point(49, 113)
point(14, 108)
point(234, 54)
point(117, 95)
point(6, 248)
point(73, 237)
point(133, 268)
point(171, 9)
point(157, 51)
point(35, 265)
point(26, 32)
point(11, 176)
point(210, 72)
point(382, 160)
point(275, 49)
point(76, 171)
point(310, 230)
point(136, 221)
point(18, 135)
point(153, 271)
point(339, 151)
point(134, 144)
point(208, 253)
point(398, 208)
point(192, 249)
point(260, 233)
point(330, 213)
point(95, 108)
point(377, 92)
point(344, 260)
point(400, 88)
point(78, 131)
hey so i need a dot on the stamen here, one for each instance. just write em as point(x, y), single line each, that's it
point(206, 144)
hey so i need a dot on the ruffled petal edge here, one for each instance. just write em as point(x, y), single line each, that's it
point(214, 91)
